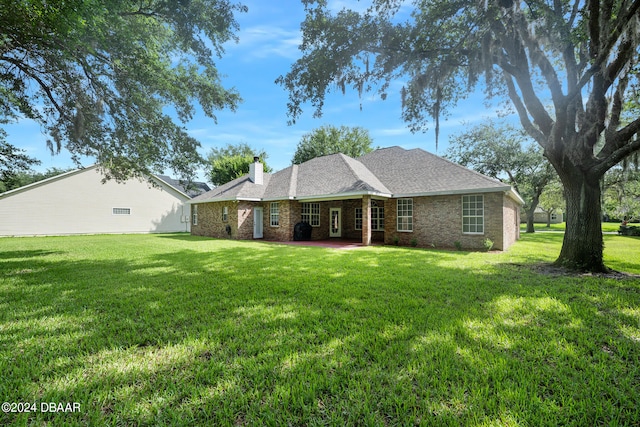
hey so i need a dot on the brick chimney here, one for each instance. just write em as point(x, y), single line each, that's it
point(256, 171)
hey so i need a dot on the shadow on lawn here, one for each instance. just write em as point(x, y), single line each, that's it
point(268, 334)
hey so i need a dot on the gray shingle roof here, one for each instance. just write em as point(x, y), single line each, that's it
point(191, 189)
point(387, 172)
point(417, 171)
point(239, 189)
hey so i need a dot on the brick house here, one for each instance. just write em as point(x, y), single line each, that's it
point(390, 195)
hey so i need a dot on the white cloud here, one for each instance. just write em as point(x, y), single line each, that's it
point(264, 41)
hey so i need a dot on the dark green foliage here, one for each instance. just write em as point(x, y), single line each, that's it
point(325, 140)
point(230, 162)
point(629, 230)
point(13, 163)
point(100, 76)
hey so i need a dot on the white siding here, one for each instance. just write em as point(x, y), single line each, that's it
point(78, 203)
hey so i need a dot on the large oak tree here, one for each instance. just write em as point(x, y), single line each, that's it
point(106, 78)
point(566, 66)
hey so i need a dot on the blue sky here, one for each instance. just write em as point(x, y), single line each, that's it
point(269, 38)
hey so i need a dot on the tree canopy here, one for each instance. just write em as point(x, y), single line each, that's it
point(325, 140)
point(105, 78)
point(567, 68)
point(232, 161)
point(506, 153)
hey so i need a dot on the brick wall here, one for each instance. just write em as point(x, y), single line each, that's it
point(284, 230)
point(511, 214)
point(210, 220)
point(437, 222)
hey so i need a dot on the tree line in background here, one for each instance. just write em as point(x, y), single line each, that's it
point(232, 161)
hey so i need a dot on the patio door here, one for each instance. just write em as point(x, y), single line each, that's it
point(335, 217)
point(257, 223)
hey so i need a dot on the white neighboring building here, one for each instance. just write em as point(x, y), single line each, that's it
point(77, 202)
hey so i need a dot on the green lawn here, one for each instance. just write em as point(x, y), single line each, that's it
point(607, 227)
point(180, 330)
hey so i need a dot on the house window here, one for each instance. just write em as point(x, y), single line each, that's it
point(121, 211)
point(311, 213)
point(225, 213)
point(554, 217)
point(275, 214)
point(405, 214)
point(473, 214)
point(194, 214)
point(377, 218)
point(358, 225)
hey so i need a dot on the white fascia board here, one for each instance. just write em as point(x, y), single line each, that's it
point(275, 199)
point(222, 199)
point(453, 192)
point(515, 196)
point(342, 196)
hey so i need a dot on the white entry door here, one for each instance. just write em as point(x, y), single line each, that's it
point(257, 223)
point(335, 216)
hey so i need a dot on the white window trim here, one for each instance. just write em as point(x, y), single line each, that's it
point(310, 213)
point(377, 216)
point(373, 208)
point(113, 211)
point(403, 216)
point(194, 214)
point(225, 214)
point(476, 233)
point(274, 214)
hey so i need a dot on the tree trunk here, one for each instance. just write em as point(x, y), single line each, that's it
point(582, 246)
point(549, 219)
point(531, 214)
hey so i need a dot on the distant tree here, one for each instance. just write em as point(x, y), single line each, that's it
point(232, 161)
point(506, 153)
point(325, 140)
point(552, 199)
point(621, 193)
point(101, 76)
point(13, 162)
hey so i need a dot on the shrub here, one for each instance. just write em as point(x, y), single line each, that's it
point(414, 242)
point(629, 230)
point(487, 244)
point(458, 245)
point(396, 240)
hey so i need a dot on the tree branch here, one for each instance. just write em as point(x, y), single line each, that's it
point(43, 85)
point(622, 151)
point(523, 113)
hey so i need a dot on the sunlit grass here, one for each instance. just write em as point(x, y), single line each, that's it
point(607, 227)
point(182, 330)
